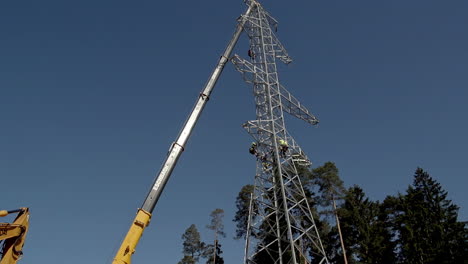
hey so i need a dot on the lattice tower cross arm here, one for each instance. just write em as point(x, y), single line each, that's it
point(290, 104)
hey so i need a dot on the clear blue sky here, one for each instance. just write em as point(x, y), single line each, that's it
point(92, 93)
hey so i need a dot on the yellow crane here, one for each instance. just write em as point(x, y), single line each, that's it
point(143, 216)
point(12, 235)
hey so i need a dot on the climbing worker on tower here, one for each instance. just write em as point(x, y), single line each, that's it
point(283, 147)
point(251, 54)
point(253, 148)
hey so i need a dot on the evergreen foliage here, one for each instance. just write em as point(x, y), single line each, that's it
point(242, 213)
point(420, 226)
point(366, 237)
point(193, 247)
point(217, 222)
point(209, 253)
point(425, 225)
point(187, 260)
point(213, 252)
point(329, 186)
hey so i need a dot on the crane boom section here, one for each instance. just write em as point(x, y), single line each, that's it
point(143, 217)
point(178, 146)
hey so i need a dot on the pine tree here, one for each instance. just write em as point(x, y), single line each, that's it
point(330, 187)
point(210, 252)
point(193, 247)
point(330, 191)
point(218, 228)
point(187, 260)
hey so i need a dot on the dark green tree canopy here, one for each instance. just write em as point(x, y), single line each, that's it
point(328, 186)
point(326, 177)
point(187, 260)
point(420, 226)
point(242, 213)
point(425, 224)
point(366, 238)
point(210, 252)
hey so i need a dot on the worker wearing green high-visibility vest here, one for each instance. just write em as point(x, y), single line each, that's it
point(283, 147)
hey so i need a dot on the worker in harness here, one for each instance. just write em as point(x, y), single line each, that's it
point(251, 54)
point(283, 147)
point(253, 148)
point(259, 156)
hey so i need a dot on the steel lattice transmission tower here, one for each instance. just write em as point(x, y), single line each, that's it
point(281, 227)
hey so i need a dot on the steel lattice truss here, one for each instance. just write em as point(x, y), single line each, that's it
point(281, 227)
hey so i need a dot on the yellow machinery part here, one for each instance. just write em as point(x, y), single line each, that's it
point(134, 234)
point(14, 235)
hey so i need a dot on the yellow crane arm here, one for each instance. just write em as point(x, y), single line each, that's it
point(13, 236)
point(127, 248)
point(143, 216)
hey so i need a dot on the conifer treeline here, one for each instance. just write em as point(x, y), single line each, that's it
point(419, 226)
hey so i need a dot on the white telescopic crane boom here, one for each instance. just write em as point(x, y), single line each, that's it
point(178, 146)
point(143, 216)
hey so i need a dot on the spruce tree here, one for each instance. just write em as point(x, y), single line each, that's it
point(242, 214)
point(425, 222)
point(366, 237)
